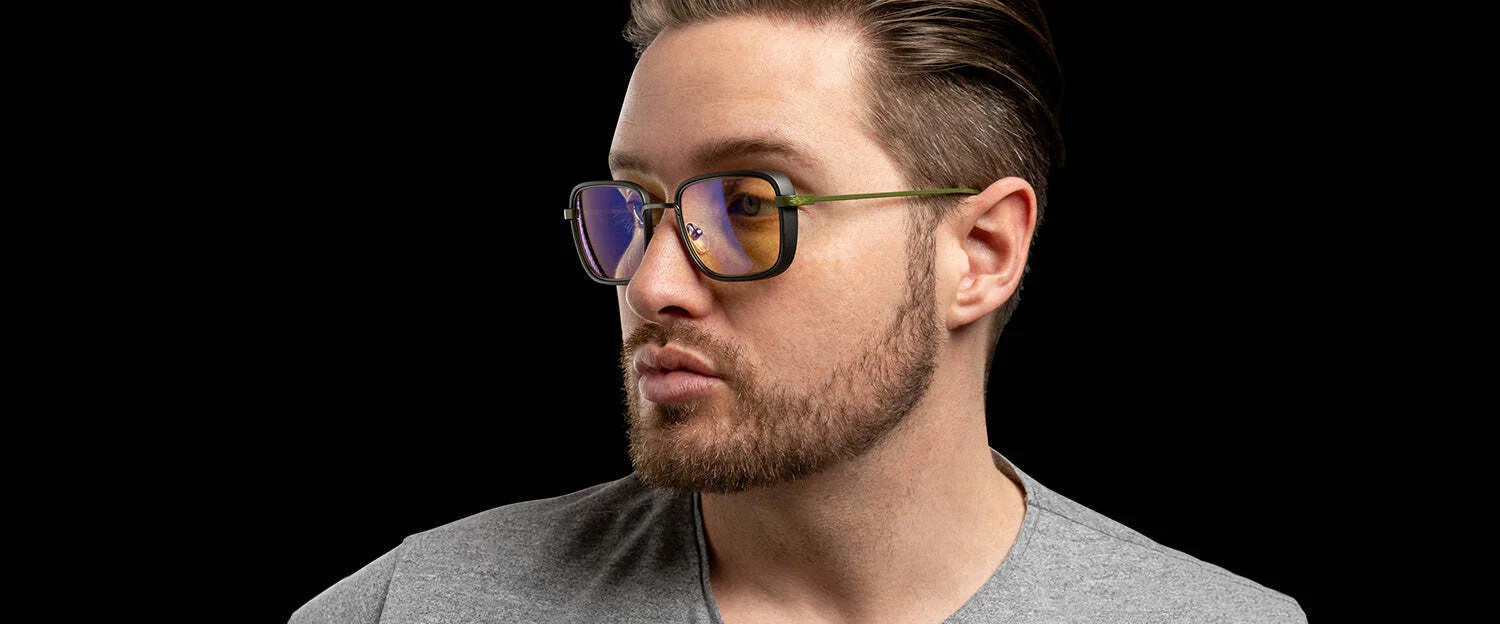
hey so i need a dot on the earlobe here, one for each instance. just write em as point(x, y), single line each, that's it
point(995, 227)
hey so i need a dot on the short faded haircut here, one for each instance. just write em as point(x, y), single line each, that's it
point(960, 92)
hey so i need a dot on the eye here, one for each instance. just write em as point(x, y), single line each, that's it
point(749, 205)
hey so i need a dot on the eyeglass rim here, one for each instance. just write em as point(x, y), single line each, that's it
point(786, 215)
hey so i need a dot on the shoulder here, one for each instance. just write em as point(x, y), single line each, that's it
point(359, 597)
point(571, 525)
point(1102, 563)
point(513, 558)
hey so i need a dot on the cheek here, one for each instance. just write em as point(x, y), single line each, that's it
point(863, 263)
point(838, 296)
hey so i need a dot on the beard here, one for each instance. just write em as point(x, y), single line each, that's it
point(770, 433)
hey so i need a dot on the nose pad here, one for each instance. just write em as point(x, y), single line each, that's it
point(695, 233)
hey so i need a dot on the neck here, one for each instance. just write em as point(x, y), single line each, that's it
point(906, 532)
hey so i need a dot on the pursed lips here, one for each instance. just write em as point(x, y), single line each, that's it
point(673, 374)
point(653, 359)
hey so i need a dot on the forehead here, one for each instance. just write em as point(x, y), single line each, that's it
point(741, 81)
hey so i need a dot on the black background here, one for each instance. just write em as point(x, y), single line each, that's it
point(391, 331)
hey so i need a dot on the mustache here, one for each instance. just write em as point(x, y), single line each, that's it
point(725, 356)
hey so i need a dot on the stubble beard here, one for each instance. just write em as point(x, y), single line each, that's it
point(770, 433)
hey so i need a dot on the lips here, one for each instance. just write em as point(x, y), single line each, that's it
point(673, 374)
point(653, 359)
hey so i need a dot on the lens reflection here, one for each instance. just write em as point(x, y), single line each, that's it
point(612, 229)
point(735, 225)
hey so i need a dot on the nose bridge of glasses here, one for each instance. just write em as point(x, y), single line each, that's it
point(653, 213)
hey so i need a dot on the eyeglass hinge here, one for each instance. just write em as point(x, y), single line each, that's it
point(794, 200)
point(570, 213)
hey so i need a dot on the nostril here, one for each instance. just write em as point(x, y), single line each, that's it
point(673, 311)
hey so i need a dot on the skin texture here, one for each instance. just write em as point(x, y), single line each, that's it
point(843, 457)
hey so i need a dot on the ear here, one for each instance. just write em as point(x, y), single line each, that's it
point(989, 238)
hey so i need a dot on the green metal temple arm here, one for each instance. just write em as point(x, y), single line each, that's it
point(803, 200)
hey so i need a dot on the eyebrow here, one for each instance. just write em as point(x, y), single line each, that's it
point(721, 150)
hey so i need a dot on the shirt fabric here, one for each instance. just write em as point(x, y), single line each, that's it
point(625, 552)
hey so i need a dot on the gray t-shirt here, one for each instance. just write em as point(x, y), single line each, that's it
point(625, 552)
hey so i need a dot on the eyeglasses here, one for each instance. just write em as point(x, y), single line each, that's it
point(736, 225)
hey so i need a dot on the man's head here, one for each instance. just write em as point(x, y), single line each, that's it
point(733, 385)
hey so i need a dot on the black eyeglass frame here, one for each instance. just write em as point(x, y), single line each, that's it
point(787, 202)
point(786, 214)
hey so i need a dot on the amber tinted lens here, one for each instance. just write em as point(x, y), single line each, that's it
point(733, 224)
point(610, 226)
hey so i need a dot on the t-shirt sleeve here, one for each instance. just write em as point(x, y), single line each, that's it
point(357, 599)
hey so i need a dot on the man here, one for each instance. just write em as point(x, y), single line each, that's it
point(817, 224)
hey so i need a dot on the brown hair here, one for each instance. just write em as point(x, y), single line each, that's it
point(961, 92)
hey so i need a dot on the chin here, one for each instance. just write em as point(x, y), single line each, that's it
point(700, 424)
point(685, 446)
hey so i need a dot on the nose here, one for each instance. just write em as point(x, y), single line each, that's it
point(666, 285)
